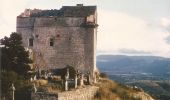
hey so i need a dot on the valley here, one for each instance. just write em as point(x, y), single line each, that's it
point(150, 73)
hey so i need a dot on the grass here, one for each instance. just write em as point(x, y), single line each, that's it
point(41, 82)
point(110, 90)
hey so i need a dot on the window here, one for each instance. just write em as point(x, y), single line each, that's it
point(58, 35)
point(51, 42)
point(30, 41)
point(36, 36)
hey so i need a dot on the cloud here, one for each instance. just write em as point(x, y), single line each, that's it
point(165, 23)
point(119, 30)
point(133, 51)
point(10, 9)
point(116, 30)
point(167, 39)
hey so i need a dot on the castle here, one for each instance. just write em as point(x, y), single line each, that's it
point(57, 38)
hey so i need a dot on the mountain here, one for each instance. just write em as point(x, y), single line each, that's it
point(151, 73)
point(128, 64)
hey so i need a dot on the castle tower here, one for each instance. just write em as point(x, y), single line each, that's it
point(61, 37)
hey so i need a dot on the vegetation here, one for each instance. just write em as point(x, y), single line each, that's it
point(62, 72)
point(14, 57)
point(14, 67)
point(50, 87)
point(158, 89)
point(103, 75)
point(109, 90)
point(46, 13)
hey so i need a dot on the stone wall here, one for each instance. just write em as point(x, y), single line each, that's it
point(73, 44)
point(78, 94)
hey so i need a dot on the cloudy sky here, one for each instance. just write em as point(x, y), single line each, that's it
point(131, 27)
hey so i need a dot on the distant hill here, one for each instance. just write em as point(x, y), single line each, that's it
point(144, 64)
point(150, 73)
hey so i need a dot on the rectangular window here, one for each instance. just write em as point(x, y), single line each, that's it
point(30, 42)
point(51, 42)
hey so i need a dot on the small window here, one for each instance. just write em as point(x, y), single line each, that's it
point(36, 36)
point(58, 35)
point(31, 42)
point(51, 42)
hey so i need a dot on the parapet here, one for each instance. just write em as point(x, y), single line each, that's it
point(65, 11)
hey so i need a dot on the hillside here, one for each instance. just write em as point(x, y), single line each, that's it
point(111, 90)
point(158, 89)
point(150, 73)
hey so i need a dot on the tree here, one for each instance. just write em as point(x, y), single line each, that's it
point(14, 56)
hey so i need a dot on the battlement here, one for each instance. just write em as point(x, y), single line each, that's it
point(65, 11)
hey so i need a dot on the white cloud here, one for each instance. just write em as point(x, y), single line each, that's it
point(9, 9)
point(165, 22)
point(119, 30)
point(167, 39)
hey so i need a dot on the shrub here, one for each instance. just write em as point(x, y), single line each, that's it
point(41, 82)
point(103, 75)
point(72, 72)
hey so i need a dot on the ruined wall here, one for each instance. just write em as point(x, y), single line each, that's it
point(73, 44)
point(79, 94)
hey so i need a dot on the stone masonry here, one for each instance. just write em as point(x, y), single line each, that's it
point(56, 38)
point(87, 93)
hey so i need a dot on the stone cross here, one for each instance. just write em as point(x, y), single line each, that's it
point(66, 83)
point(13, 90)
point(76, 80)
point(35, 78)
point(68, 72)
point(31, 79)
point(39, 73)
point(34, 87)
point(78, 74)
point(66, 80)
point(45, 75)
point(82, 80)
point(88, 78)
point(95, 81)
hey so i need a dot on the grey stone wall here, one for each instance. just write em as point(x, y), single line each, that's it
point(78, 94)
point(73, 44)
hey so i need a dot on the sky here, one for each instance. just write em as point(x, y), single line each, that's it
point(127, 27)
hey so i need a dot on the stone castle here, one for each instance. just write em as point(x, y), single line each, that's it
point(57, 38)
